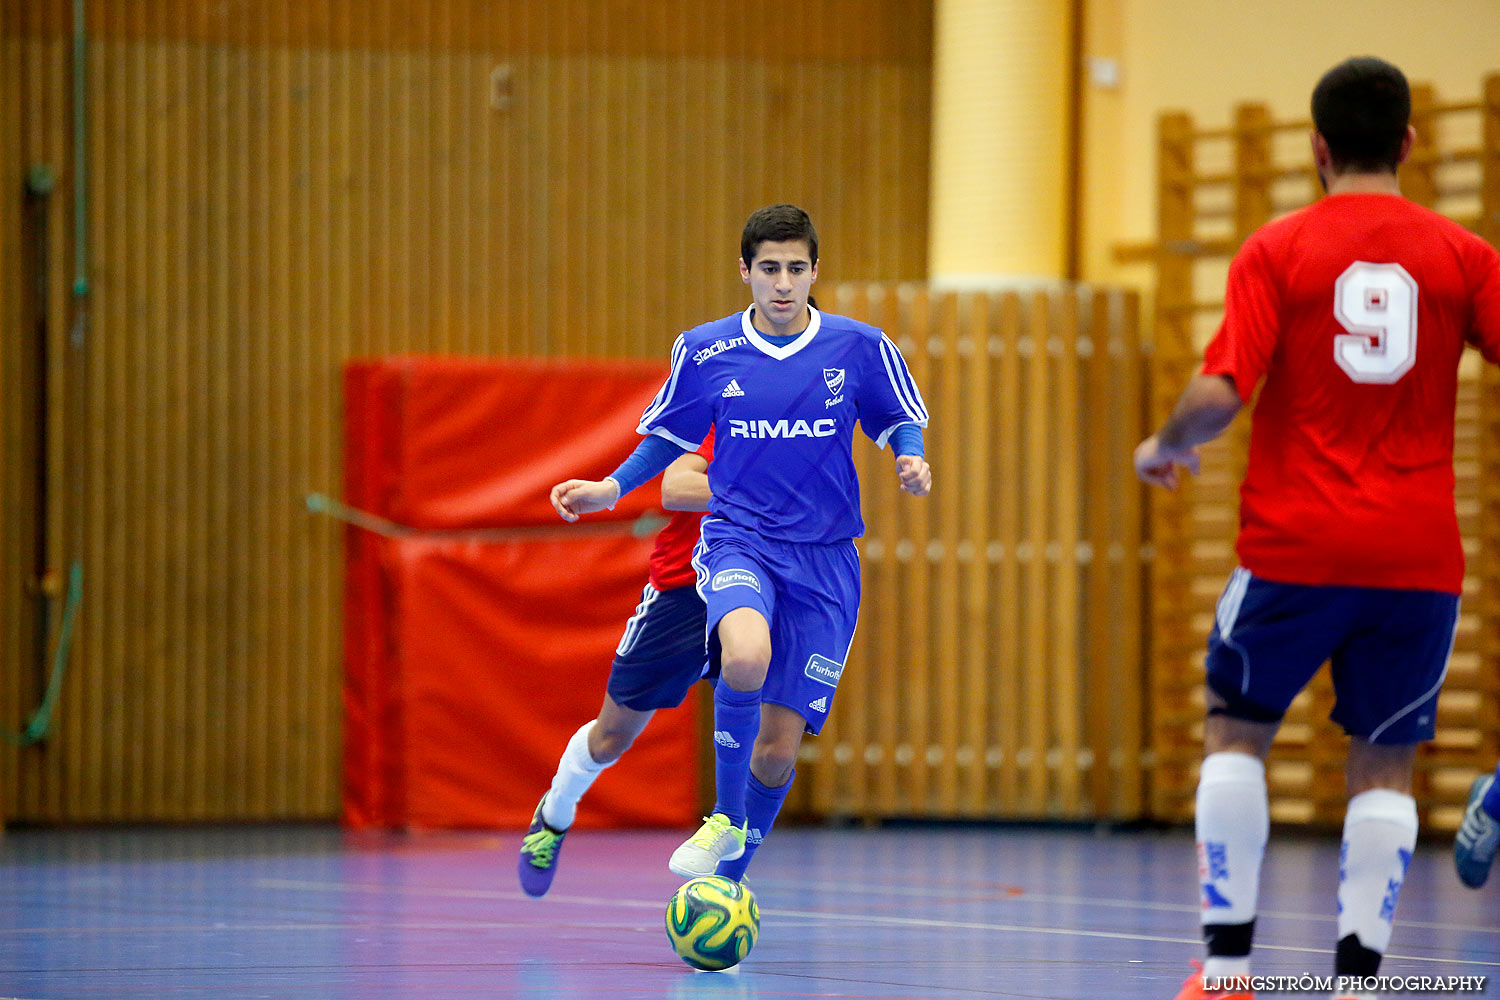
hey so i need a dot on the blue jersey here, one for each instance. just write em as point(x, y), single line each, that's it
point(784, 419)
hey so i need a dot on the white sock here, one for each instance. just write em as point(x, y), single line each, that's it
point(576, 771)
point(1380, 831)
point(1232, 822)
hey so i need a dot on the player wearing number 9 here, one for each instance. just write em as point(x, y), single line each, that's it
point(1350, 315)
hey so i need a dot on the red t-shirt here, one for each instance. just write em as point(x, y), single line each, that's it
point(671, 560)
point(1355, 310)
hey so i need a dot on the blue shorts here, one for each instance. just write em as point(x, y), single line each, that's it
point(809, 594)
point(1389, 650)
point(662, 652)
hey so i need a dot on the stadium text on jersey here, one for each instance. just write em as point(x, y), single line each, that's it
point(716, 348)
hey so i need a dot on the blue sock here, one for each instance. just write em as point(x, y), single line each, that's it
point(1491, 801)
point(761, 806)
point(736, 724)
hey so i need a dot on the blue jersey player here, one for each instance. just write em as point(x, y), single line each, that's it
point(783, 385)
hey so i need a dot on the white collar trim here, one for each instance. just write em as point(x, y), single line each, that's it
point(772, 350)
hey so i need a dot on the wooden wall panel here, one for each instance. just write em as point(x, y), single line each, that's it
point(276, 188)
point(12, 602)
point(997, 669)
point(36, 136)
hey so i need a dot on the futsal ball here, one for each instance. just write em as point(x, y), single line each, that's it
point(712, 922)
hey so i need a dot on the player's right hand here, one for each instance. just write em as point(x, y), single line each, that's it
point(575, 497)
point(1156, 464)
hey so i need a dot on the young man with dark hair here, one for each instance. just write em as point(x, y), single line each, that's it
point(782, 386)
point(1354, 312)
point(659, 658)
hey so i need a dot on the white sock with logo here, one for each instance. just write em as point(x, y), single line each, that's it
point(1232, 822)
point(576, 771)
point(1380, 832)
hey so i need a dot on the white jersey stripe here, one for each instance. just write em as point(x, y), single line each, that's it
point(664, 397)
point(672, 368)
point(662, 432)
point(701, 572)
point(885, 435)
point(633, 627)
point(1229, 602)
point(699, 550)
point(903, 373)
point(890, 373)
point(911, 383)
point(1228, 612)
point(906, 390)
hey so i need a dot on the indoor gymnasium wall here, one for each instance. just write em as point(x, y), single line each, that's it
point(1204, 57)
point(11, 601)
point(278, 187)
point(1002, 141)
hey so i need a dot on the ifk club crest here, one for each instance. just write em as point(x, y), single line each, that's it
point(834, 379)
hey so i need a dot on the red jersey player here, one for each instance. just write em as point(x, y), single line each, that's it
point(1354, 313)
point(662, 653)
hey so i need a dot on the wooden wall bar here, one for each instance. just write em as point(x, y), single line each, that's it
point(278, 187)
point(997, 668)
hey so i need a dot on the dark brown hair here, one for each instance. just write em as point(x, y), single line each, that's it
point(777, 224)
point(1361, 107)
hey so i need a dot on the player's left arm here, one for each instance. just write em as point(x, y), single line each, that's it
point(1206, 407)
point(684, 486)
point(911, 467)
point(891, 409)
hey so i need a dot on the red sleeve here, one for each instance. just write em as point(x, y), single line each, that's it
point(706, 449)
point(1246, 340)
point(1484, 279)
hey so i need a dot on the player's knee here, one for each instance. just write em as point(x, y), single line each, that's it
point(1372, 766)
point(608, 744)
point(772, 763)
point(744, 664)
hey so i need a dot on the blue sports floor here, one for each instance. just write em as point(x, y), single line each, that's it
point(929, 912)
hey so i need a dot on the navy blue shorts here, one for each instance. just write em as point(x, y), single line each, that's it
point(662, 652)
point(809, 593)
point(1389, 651)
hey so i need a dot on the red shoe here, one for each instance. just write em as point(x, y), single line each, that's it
point(1192, 989)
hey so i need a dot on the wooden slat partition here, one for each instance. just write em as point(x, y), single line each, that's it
point(1193, 530)
point(997, 669)
point(13, 603)
point(278, 187)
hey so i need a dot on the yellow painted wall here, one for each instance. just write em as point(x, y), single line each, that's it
point(1203, 56)
point(999, 139)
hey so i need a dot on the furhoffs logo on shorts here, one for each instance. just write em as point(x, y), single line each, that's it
point(823, 670)
point(736, 578)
